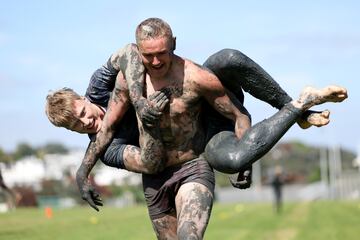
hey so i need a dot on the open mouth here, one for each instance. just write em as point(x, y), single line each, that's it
point(158, 67)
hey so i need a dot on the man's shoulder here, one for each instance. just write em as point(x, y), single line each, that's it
point(128, 48)
point(123, 52)
point(197, 72)
point(193, 67)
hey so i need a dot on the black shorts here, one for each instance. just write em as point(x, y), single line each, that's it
point(160, 189)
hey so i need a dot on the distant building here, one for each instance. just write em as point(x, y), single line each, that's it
point(29, 171)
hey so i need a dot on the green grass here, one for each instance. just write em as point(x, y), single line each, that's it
point(298, 221)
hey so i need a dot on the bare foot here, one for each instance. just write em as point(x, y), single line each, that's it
point(311, 96)
point(317, 119)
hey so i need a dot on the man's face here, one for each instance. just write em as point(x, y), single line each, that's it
point(156, 55)
point(88, 117)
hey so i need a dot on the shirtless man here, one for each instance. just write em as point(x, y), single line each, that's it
point(180, 197)
point(84, 114)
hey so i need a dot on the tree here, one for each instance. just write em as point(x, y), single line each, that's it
point(23, 150)
point(5, 157)
point(54, 148)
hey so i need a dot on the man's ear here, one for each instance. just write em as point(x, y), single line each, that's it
point(174, 44)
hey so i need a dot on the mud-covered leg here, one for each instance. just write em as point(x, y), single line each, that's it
point(166, 227)
point(193, 205)
point(228, 154)
point(237, 71)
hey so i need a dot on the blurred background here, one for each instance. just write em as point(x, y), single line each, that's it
point(46, 45)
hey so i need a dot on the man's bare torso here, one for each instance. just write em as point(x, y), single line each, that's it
point(180, 126)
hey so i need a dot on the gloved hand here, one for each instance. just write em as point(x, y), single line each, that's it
point(150, 110)
point(243, 180)
point(89, 194)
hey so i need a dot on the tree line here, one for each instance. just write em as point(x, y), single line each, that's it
point(24, 149)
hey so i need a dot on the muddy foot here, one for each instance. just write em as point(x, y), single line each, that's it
point(311, 96)
point(317, 119)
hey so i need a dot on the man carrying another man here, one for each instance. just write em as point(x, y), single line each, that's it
point(180, 197)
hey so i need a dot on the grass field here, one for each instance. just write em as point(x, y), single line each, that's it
point(299, 221)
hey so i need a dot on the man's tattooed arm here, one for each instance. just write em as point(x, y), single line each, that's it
point(117, 107)
point(212, 90)
point(130, 64)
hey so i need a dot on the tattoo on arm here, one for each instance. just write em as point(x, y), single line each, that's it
point(117, 106)
point(152, 150)
point(226, 104)
point(134, 73)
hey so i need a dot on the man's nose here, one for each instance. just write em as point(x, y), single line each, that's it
point(85, 121)
point(155, 61)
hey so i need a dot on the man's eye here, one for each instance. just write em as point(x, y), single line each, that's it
point(83, 113)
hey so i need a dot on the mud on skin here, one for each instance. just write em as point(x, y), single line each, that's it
point(230, 155)
point(153, 153)
point(165, 227)
point(237, 71)
point(194, 214)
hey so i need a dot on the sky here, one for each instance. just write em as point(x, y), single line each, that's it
point(46, 45)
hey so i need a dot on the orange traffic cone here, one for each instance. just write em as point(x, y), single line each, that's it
point(48, 212)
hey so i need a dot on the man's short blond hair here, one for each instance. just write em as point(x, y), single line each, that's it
point(59, 107)
point(153, 28)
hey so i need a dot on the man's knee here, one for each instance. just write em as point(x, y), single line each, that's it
point(231, 53)
point(165, 227)
point(223, 154)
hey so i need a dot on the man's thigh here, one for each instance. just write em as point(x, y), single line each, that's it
point(193, 205)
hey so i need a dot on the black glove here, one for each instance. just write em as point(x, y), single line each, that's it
point(89, 194)
point(243, 180)
point(150, 110)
